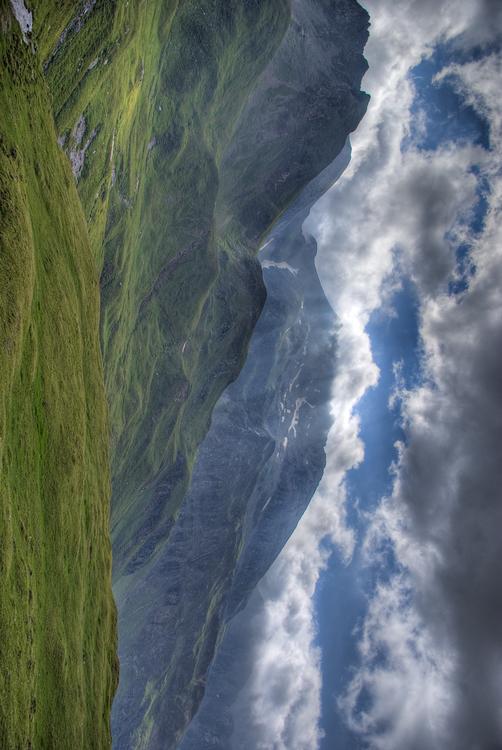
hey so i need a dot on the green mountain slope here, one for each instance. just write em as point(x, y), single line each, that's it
point(191, 126)
point(58, 669)
point(155, 90)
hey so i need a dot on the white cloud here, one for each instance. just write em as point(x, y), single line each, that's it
point(477, 82)
point(403, 675)
point(405, 211)
point(280, 706)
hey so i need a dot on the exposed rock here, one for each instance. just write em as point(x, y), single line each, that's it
point(79, 130)
point(75, 154)
point(24, 17)
point(73, 27)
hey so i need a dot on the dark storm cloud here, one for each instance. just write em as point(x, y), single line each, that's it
point(450, 491)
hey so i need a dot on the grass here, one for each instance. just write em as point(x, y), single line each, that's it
point(162, 85)
point(58, 668)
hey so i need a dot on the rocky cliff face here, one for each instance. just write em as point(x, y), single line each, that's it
point(260, 463)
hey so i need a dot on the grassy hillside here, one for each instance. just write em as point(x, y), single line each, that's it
point(185, 146)
point(157, 89)
point(58, 669)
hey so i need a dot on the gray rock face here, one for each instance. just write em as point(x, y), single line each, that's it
point(263, 456)
point(24, 18)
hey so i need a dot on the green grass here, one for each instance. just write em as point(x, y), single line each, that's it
point(162, 85)
point(58, 668)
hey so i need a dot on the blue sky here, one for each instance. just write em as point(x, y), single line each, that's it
point(340, 595)
point(440, 117)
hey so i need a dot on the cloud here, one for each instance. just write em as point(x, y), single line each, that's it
point(279, 706)
point(434, 629)
point(485, 24)
point(429, 671)
point(477, 83)
point(404, 677)
point(431, 648)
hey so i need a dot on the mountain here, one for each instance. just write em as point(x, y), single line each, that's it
point(254, 475)
point(172, 594)
point(282, 396)
point(157, 146)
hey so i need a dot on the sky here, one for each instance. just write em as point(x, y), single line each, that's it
point(383, 613)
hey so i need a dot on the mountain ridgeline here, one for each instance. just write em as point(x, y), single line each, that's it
point(277, 413)
point(253, 477)
point(197, 131)
point(189, 571)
